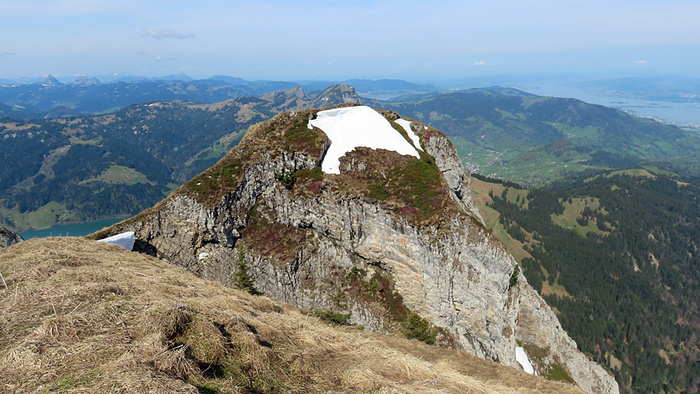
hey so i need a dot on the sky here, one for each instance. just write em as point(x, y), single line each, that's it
point(315, 39)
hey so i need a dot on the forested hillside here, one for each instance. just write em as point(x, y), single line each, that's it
point(509, 134)
point(78, 169)
point(88, 168)
point(617, 255)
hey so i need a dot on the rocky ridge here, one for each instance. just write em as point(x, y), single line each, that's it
point(388, 237)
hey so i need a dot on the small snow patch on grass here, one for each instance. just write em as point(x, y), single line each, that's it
point(125, 240)
point(523, 360)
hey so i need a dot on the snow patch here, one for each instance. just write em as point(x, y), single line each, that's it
point(406, 124)
point(523, 360)
point(125, 240)
point(351, 127)
point(203, 256)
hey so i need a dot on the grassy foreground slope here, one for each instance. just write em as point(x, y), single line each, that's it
point(82, 316)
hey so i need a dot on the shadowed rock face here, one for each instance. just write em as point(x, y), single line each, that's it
point(390, 235)
point(8, 238)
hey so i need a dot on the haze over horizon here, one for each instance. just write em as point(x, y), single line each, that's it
point(313, 39)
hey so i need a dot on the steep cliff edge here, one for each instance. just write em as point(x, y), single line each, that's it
point(391, 235)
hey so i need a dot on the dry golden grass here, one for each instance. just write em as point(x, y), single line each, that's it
point(81, 316)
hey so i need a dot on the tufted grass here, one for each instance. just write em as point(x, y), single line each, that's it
point(80, 317)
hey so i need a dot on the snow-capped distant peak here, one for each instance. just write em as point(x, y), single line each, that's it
point(406, 124)
point(352, 127)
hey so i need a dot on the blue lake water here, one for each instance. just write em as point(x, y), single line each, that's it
point(668, 111)
point(73, 230)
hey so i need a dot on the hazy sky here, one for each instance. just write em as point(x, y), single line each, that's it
point(315, 39)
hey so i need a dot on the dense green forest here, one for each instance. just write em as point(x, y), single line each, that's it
point(623, 250)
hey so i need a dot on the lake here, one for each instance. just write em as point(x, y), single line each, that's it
point(73, 230)
point(668, 111)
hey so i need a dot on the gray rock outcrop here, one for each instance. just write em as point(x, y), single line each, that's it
point(8, 238)
point(355, 244)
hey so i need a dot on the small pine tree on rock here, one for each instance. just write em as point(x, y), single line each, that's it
point(243, 279)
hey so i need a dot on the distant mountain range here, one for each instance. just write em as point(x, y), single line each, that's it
point(93, 167)
point(88, 168)
point(52, 98)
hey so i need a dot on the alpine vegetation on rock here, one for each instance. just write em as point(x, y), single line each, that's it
point(389, 240)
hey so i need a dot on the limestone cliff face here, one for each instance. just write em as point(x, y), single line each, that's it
point(8, 238)
point(390, 235)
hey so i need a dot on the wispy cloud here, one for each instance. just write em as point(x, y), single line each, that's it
point(3, 54)
point(640, 62)
point(164, 59)
point(482, 63)
point(163, 34)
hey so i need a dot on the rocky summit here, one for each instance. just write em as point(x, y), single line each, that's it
point(390, 240)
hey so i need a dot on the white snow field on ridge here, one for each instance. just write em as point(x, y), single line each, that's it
point(351, 127)
point(406, 124)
